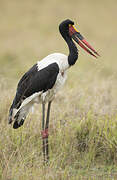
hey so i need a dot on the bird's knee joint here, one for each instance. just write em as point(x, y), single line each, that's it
point(45, 134)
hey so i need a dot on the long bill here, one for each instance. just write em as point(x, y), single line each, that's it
point(84, 44)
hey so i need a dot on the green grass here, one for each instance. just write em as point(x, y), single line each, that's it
point(83, 124)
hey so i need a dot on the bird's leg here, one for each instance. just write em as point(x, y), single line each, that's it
point(46, 129)
point(48, 115)
point(43, 129)
point(45, 132)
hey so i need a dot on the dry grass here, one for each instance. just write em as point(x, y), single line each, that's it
point(83, 138)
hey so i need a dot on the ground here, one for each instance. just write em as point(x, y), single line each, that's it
point(83, 124)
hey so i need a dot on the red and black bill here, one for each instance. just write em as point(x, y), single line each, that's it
point(82, 42)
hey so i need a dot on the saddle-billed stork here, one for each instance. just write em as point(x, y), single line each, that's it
point(44, 79)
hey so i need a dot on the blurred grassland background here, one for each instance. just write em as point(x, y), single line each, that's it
point(83, 126)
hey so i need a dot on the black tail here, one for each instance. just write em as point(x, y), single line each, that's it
point(15, 105)
point(19, 120)
point(16, 113)
point(10, 117)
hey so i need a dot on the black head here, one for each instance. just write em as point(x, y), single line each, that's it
point(64, 27)
point(69, 32)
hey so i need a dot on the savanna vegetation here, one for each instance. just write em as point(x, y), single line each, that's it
point(83, 126)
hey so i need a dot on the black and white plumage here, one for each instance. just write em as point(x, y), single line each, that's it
point(29, 91)
point(46, 77)
point(38, 85)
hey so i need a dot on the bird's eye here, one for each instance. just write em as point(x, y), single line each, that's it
point(70, 25)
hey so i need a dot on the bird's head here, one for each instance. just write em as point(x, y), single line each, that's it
point(68, 30)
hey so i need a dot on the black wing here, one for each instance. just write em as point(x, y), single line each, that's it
point(35, 81)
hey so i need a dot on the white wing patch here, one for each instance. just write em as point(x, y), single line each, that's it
point(60, 59)
point(30, 100)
